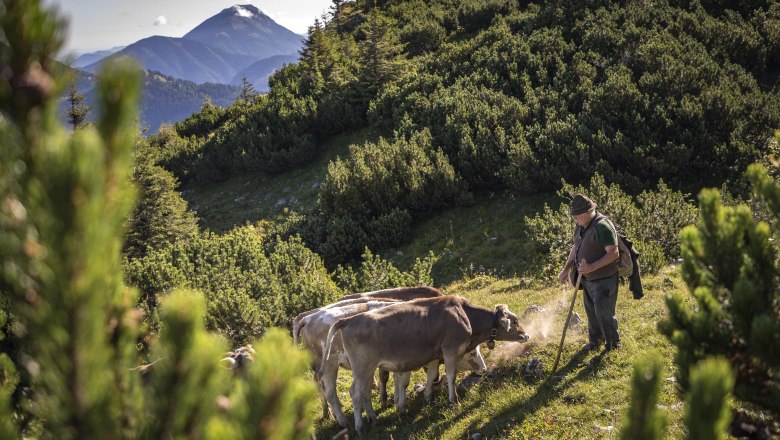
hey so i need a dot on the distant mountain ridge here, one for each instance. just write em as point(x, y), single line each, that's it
point(164, 98)
point(218, 49)
point(86, 59)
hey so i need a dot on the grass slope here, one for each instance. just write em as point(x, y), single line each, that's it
point(485, 237)
point(586, 398)
point(252, 197)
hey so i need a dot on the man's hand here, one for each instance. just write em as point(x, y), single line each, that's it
point(563, 278)
point(584, 267)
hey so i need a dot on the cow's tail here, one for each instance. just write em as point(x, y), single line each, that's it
point(331, 334)
point(296, 330)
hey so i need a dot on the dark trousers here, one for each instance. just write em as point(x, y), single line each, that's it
point(600, 300)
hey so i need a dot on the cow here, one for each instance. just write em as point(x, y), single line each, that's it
point(313, 331)
point(327, 376)
point(398, 294)
point(406, 336)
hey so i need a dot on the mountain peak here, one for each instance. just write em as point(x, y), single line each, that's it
point(246, 11)
point(246, 30)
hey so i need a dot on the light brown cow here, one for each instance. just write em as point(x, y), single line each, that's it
point(313, 332)
point(407, 336)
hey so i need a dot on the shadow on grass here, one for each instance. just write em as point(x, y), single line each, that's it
point(438, 417)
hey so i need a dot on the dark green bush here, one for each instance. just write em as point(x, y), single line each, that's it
point(408, 173)
point(263, 285)
point(376, 273)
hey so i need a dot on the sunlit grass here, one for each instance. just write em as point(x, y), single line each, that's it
point(585, 398)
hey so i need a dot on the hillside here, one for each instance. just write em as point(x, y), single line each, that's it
point(414, 139)
point(496, 97)
point(586, 398)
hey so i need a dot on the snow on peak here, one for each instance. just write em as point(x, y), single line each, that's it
point(241, 12)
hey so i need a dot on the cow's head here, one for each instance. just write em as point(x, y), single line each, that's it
point(509, 328)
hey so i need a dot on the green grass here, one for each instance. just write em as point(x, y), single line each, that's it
point(487, 237)
point(586, 396)
point(252, 197)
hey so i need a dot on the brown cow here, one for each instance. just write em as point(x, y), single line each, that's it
point(327, 376)
point(313, 331)
point(407, 336)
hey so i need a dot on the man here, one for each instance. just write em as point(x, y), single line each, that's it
point(596, 251)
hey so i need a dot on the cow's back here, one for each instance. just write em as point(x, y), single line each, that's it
point(398, 293)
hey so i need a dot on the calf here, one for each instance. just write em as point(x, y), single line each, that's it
point(313, 331)
point(406, 336)
point(328, 374)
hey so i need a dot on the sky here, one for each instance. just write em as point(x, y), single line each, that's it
point(103, 24)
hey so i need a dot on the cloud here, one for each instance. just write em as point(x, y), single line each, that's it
point(161, 21)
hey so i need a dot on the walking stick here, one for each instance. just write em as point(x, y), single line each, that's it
point(568, 318)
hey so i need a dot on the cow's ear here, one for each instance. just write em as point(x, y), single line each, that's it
point(505, 323)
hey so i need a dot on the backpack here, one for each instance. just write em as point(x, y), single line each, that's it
point(624, 263)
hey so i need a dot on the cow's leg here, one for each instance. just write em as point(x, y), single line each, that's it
point(357, 404)
point(451, 367)
point(328, 379)
point(401, 382)
point(323, 399)
point(432, 373)
point(384, 376)
point(360, 391)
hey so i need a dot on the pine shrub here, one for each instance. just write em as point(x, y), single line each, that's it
point(65, 203)
point(730, 268)
point(644, 421)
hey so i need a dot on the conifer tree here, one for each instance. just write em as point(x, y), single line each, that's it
point(382, 58)
point(78, 110)
point(730, 267)
point(315, 59)
point(336, 15)
point(248, 92)
point(643, 420)
point(707, 412)
point(62, 215)
point(161, 216)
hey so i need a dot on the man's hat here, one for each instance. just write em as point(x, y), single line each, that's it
point(580, 205)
